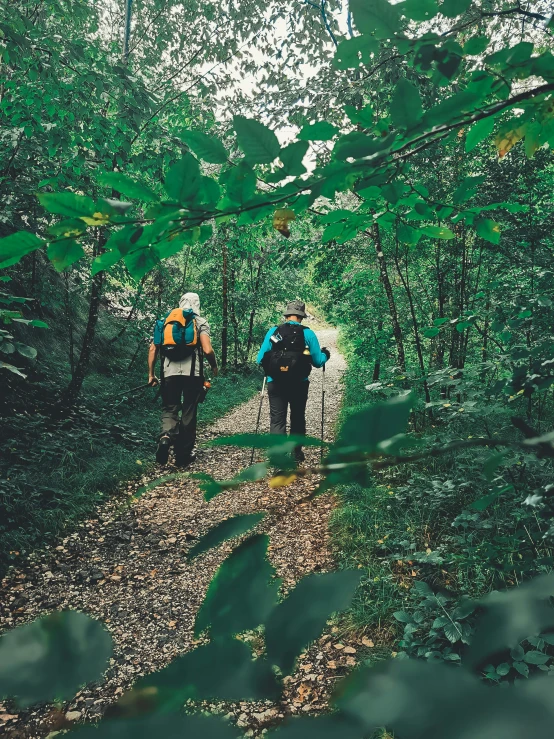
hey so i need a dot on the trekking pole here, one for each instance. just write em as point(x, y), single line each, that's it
point(132, 390)
point(258, 421)
point(322, 411)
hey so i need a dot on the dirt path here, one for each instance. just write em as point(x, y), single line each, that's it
point(127, 567)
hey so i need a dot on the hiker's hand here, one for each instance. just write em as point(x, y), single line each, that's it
point(326, 352)
point(153, 381)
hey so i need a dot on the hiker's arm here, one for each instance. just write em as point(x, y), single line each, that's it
point(318, 357)
point(209, 353)
point(266, 346)
point(152, 356)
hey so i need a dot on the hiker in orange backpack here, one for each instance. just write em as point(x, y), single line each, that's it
point(182, 338)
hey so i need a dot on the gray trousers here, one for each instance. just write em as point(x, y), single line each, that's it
point(180, 393)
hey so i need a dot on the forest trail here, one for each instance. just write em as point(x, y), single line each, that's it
point(127, 568)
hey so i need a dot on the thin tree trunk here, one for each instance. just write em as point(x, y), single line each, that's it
point(396, 328)
point(70, 395)
point(253, 311)
point(225, 308)
point(419, 350)
point(69, 323)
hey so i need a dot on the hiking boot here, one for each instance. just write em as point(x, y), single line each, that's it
point(184, 460)
point(162, 452)
point(299, 455)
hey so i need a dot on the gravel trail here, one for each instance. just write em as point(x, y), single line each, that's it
point(126, 567)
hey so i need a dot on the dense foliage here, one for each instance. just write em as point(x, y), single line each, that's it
point(393, 166)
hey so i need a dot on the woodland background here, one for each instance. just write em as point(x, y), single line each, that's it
point(438, 275)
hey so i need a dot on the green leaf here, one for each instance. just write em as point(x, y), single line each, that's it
point(377, 17)
point(52, 657)
point(320, 727)
point(240, 182)
point(503, 669)
point(240, 596)
point(320, 131)
point(205, 147)
point(453, 632)
point(15, 371)
point(479, 132)
point(511, 616)
point(492, 464)
point(17, 245)
point(352, 52)
point(172, 726)
point(292, 156)
point(64, 253)
point(536, 658)
point(259, 144)
point(488, 229)
point(406, 109)
point(227, 529)
point(301, 617)
point(467, 189)
point(403, 617)
point(522, 668)
point(38, 324)
point(69, 227)
point(453, 8)
point(67, 204)
point(140, 261)
point(125, 239)
point(367, 428)
point(183, 179)
point(420, 10)
point(476, 45)
point(438, 232)
point(26, 351)
point(129, 187)
point(222, 670)
point(105, 261)
point(429, 333)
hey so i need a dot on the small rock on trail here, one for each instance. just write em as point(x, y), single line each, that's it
point(126, 566)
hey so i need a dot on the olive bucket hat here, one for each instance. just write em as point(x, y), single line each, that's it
point(296, 308)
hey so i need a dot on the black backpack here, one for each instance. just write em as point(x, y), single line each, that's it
point(288, 360)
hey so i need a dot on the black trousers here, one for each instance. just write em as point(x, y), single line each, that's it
point(281, 396)
point(180, 393)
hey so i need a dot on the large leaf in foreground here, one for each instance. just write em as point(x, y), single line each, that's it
point(301, 617)
point(406, 108)
point(222, 670)
point(240, 596)
point(377, 17)
point(64, 253)
point(67, 204)
point(17, 245)
point(52, 657)
point(374, 424)
point(259, 144)
point(206, 147)
point(175, 726)
point(126, 185)
point(511, 616)
point(227, 529)
point(319, 727)
point(183, 179)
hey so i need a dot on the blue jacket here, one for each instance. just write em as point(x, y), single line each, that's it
point(318, 357)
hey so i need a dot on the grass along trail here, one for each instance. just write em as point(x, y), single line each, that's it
point(127, 567)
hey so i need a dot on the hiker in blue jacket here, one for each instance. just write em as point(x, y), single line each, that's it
point(288, 353)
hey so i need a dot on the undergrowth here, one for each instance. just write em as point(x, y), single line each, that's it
point(434, 534)
point(55, 471)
